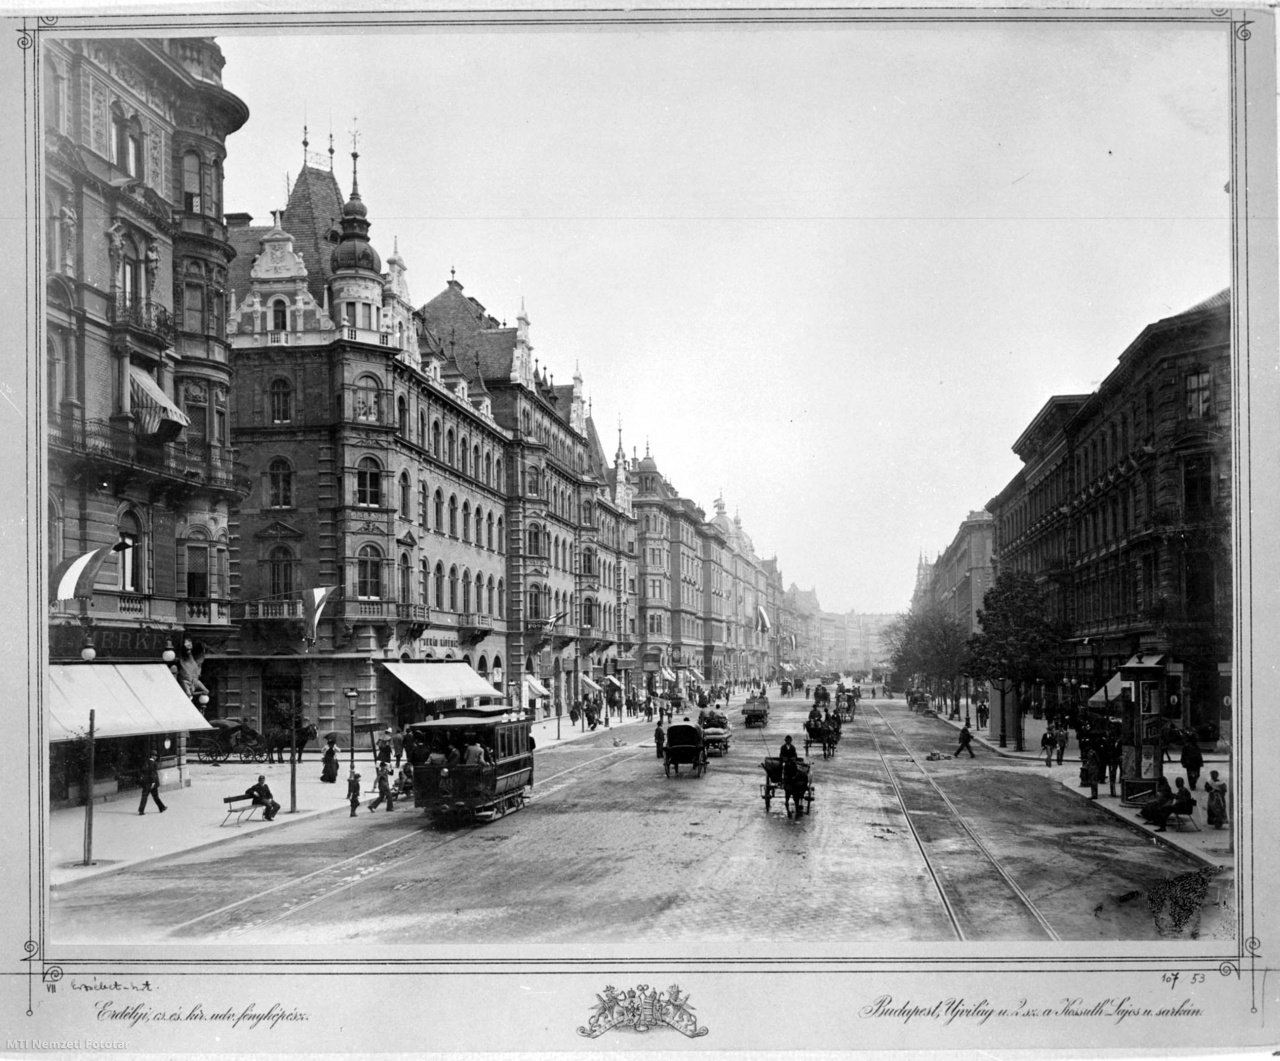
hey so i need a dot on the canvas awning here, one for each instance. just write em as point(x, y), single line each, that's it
point(129, 699)
point(1144, 661)
point(590, 683)
point(788, 668)
point(668, 674)
point(1110, 691)
point(533, 687)
point(611, 678)
point(441, 681)
point(696, 674)
point(156, 413)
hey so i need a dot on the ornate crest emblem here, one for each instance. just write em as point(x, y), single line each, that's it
point(643, 1010)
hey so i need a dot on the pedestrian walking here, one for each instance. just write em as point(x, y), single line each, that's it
point(1047, 744)
point(966, 739)
point(353, 791)
point(384, 788)
point(1092, 768)
point(659, 738)
point(329, 757)
point(151, 786)
point(1062, 743)
point(1113, 757)
point(1192, 759)
point(384, 746)
point(397, 745)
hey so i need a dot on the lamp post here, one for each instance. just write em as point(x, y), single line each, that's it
point(352, 696)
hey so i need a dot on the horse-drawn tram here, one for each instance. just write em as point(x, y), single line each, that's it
point(471, 765)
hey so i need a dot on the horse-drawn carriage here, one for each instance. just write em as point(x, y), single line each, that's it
point(755, 712)
point(715, 733)
point(846, 705)
point(228, 736)
point(823, 732)
point(793, 782)
point(821, 696)
point(685, 747)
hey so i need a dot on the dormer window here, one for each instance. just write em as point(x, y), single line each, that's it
point(279, 315)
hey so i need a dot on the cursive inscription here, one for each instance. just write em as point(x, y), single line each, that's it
point(948, 1010)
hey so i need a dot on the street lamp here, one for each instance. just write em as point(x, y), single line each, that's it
point(352, 695)
point(168, 655)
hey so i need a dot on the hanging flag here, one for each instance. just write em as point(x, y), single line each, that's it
point(763, 623)
point(73, 579)
point(793, 641)
point(313, 602)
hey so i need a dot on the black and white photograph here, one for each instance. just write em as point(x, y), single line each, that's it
point(629, 524)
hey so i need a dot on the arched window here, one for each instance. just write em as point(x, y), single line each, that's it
point(281, 401)
point(406, 579)
point(466, 521)
point(368, 482)
point(535, 541)
point(191, 201)
point(475, 461)
point(453, 589)
point(453, 515)
point(497, 472)
point(480, 592)
point(422, 428)
point(588, 562)
point(586, 514)
point(440, 586)
point(368, 399)
point(502, 604)
point(588, 612)
point(405, 492)
point(280, 572)
point(422, 502)
point(466, 591)
point(402, 416)
point(462, 455)
point(424, 581)
point(369, 573)
point(279, 484)
point(279, 315)
point(435, 439)
point(531, 482)
point(502, 543)
point(488, 531)
point(130, 562)
point(488, 469)
point(450, 447)
point(439, 513)
point(490, 589)
point(535, 602)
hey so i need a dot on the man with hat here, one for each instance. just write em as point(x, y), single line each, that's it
point(262, 797)
point(151, 785)
point(384, 746)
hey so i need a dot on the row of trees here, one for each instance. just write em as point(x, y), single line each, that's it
point(1018, 644)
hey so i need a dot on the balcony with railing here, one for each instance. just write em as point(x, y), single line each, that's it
point(271, 609)
point(117, 443)
point(146, 320)
point(204, 612)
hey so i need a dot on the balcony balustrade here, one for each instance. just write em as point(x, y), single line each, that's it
point(147, 320)
point(204, 612)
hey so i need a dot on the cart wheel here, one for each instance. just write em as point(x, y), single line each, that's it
point(246, 754)
point(203, 754)
point(223, 754)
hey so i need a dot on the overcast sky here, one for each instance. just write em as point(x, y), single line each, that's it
point(830, 273)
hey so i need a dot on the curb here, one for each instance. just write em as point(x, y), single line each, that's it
point(291, 820)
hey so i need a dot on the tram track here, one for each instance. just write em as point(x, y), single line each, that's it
point(957, 860)
point(235, 918)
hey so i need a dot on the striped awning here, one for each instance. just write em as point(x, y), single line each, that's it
point(128, 699)
point(441, 681)
point(668, 674)
point(156, 413)
point(611, 678)
point(534, 688)
point(590, 683)
point(696, 674)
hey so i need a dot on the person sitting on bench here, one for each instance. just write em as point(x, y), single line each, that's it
point(1160, 806)
point(262, 798)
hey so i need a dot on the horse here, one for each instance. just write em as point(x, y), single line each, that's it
point(825, 734)
point(795, 784)
point(277, 736)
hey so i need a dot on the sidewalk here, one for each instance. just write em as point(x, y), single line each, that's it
point(193, 815)
point(1208, 846)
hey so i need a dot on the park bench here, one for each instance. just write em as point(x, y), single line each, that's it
point(1177, 820)
point(242, 806)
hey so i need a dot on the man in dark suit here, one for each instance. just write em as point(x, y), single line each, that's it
point(151, 786)
point(261, 794)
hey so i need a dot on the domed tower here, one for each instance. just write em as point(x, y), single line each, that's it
point(356, 290)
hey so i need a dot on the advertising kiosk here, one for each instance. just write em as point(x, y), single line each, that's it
point(1142, 728)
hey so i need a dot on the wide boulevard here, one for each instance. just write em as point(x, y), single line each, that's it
point(609, 849)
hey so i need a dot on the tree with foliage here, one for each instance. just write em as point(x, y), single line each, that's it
point(1018, 643)
point(930, 644)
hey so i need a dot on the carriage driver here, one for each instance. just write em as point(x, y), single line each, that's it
point(788, 756)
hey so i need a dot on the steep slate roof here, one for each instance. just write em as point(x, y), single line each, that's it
point(247, 242)
point(1222, 298)
point(595, 453)
point(465, 329)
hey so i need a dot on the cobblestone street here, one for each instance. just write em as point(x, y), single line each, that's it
point(612, 851)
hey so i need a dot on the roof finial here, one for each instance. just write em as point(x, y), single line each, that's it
point(588, 406)
point(355, 158)
point(305, 142)
point(453, 273)
point(646, 445)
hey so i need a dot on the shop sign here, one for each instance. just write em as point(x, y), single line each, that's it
point(445, 641)
point(67, 641)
